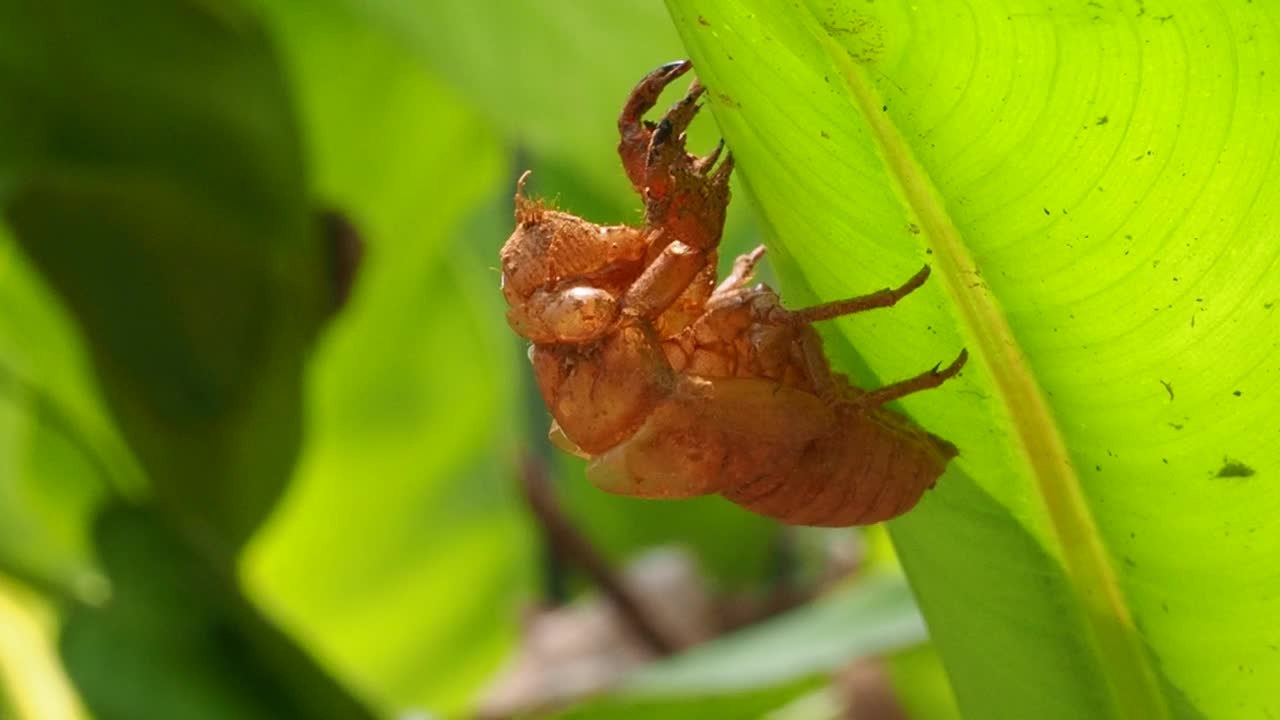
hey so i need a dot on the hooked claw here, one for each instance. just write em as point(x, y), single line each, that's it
point(636, 132)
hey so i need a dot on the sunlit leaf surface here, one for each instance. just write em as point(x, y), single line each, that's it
point(1095, 186)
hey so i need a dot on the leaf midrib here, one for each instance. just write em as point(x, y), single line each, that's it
point(1121, 655)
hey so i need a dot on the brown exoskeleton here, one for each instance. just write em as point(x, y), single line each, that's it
point(674, 386)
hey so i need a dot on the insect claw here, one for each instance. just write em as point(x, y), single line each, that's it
point(916, 281)
point(930, 379)
point(636, 133)
point(661, 135)
point(646, 93)
point(953, 368)
point(955, 365)
point(675, 67)
point(703, 164)
point(721, 175)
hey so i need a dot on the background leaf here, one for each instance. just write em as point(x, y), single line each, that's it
point(404, 487)
point(763, 667)
point(197, 276)
point(165, 203)
point(1083, 205)
point(60, 448)
point(174, 643)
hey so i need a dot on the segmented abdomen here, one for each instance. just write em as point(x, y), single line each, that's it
point(872, 467)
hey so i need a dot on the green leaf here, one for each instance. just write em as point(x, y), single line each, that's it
point(921, 685)
point(751, 703)
point(174, 642)
point(158, 186)
point(1094, 189)
point(407, 486)
point(59, 449)
point(165, 202)
point(550, 76)
point(766, 665)
point(872, 616)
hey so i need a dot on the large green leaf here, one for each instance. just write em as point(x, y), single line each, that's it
point(176, 643)
point(406, 489)
point(1095, 186)
point(157, 183)
point(56, 441)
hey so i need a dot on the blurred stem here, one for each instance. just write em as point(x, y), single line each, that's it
point(29, 397)
point(567, 541)
point(48, 588)
point(554, 575)
point(47, 412)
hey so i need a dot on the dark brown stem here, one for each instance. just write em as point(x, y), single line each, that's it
point(568, 541)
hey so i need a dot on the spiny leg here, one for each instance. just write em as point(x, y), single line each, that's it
point(924, 381)
point(635, 132)
point(685, 201)
point(703, 164)
point(815, 362)
point(878, 299)
point(675, 180)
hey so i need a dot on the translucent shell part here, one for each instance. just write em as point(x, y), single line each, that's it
point(673, 385)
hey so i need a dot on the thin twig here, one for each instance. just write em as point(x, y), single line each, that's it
point(567, 540)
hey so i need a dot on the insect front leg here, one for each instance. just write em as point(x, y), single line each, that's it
point(665, 280)
point(685, 201)
point(635, 132)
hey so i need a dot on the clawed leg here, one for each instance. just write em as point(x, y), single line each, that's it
point(685, 200)
point(878, 299)
point(685, 195)
point(635, 131)
point(815, 362)
point(668, 168)
point(924, 381)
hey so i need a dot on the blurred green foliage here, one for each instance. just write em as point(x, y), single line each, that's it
point(161, 370)
point(226, 493)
